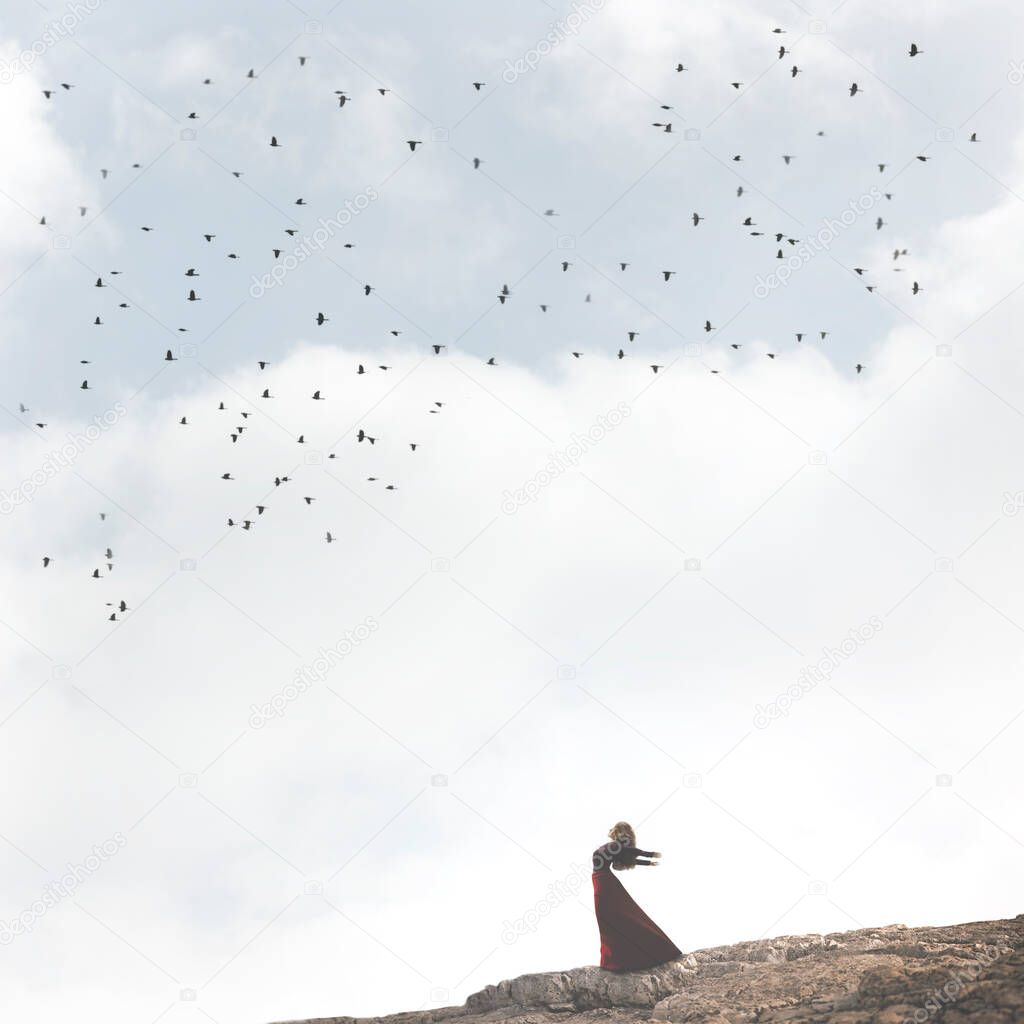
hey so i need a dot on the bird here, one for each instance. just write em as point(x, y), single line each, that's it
point(854, 89)
point(914, 51)
point(413, 143)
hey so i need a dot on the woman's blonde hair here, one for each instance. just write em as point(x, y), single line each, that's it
point(622, 832)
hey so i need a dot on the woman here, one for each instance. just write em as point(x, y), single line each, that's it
point(630, 940)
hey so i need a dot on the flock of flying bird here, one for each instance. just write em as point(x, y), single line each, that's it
point(782, 242)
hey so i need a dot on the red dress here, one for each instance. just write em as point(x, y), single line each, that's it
point(630, 940)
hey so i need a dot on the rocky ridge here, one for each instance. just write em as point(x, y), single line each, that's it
point(958, 974)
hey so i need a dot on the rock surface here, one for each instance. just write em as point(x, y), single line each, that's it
point(960, 974)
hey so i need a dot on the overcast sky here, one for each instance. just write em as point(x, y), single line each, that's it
point(593, 587)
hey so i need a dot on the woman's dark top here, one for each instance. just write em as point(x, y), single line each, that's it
point(618, 854)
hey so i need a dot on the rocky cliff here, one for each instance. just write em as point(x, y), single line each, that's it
point(960, 974)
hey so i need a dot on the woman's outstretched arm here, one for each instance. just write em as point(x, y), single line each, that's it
point(651, 860)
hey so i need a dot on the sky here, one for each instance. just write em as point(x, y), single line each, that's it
point(763, 608)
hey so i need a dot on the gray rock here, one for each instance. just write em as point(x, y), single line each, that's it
point(958, 974)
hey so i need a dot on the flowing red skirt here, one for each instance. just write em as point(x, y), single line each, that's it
point(630, 940)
